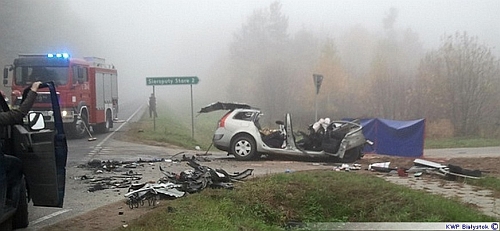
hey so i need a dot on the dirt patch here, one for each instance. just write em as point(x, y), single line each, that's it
point(108, 217)
point(118, 214)
point(487, 165)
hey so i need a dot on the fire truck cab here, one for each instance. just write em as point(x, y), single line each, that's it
point(87, 89)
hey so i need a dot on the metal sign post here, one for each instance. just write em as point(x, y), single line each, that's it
point(154, 117)
point(183, 80)
point(192, 117)
point(317, 82)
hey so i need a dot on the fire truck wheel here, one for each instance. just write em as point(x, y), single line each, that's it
point(20, 218)
point(104, 127)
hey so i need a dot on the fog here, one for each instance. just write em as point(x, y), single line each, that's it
point(162, 38)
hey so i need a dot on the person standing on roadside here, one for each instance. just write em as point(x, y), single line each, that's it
point(152, 106)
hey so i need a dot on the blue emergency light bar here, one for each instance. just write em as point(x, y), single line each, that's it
point(58, 55)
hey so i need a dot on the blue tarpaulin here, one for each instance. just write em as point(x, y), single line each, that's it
point(395, 137)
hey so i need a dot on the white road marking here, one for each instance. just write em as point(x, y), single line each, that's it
point(98, 147)
point(49, 216)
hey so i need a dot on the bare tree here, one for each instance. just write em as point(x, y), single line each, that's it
point(471, 70)
point(468, 76)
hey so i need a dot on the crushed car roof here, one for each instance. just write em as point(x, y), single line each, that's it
point(223, 106)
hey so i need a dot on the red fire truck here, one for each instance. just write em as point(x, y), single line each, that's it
point(87, 89)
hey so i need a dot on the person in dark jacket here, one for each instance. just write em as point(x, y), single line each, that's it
point(12, 165)
point(152, 106)
point(15, 115)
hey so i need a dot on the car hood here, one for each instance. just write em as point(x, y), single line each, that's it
point(223, 106)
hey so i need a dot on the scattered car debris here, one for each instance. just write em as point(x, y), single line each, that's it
point(200, 177)
point(347, 167)
point(178, 185)
point(381, 167)
point(426, 163)
point(101, 181)
point(151, 193)
point(450, 172)
point(110, 165)
point(111, 182)
point(457, 170)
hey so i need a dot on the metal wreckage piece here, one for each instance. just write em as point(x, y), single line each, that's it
point(201, 177)
point(138, 193)
point(174, 185)
point(126, 179)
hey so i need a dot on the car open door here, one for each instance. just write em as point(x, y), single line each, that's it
point(44, 154)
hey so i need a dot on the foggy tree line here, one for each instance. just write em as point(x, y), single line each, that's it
point(38, 27)
point(366, 75)
point(460, 81)
point(385, 73)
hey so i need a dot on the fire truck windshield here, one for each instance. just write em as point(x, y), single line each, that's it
point(26, 75)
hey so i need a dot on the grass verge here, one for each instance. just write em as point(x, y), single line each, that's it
point(269, 203)
point(170, 129)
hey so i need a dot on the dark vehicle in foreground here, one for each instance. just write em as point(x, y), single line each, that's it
point(43, 154)
point(240, 134)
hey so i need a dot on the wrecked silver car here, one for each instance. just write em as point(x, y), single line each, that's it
point(240, 134)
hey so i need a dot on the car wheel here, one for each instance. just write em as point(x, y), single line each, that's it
point(243, 147)
point(352, 155)
point(20, 218)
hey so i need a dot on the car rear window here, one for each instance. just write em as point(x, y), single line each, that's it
point(247, 116)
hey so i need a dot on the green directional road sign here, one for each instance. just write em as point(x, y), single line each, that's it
point(152, 81)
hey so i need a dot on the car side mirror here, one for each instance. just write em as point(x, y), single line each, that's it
point(279, 122)
point(36, 121)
